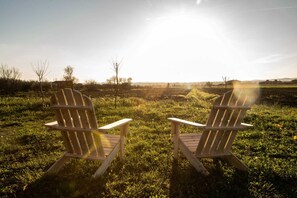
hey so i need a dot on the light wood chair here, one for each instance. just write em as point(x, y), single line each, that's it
point(218, 133)
point(81, 136)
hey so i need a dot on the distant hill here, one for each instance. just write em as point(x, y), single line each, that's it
point(285, 79)
point(203, 82)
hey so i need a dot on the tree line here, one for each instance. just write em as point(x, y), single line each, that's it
point(11, 82)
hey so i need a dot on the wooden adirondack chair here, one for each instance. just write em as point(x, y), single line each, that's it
point(218, 133)
point(81, 136)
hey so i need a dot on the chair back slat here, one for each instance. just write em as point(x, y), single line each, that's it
point(81, 122)
point(88, 140)
point(81, 143)
point(91, 114)
point(60, 120)
point(93, 124)
point(237, 118)
point(68, 121)
point(223, 123)
point(218, 147)
point(214, 120)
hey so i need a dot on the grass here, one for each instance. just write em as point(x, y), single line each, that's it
point(27, 150)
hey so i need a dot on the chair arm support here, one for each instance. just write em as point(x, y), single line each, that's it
point(195, 124)
point(121, 123)
point(51, 125)
point(115, 124)
point(246, 125)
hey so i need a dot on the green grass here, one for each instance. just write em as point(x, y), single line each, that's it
point(27, 150)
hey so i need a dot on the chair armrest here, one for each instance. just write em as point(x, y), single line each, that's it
point(51, 125)
point(246, 125)
point(114, 124)
point(195, 124)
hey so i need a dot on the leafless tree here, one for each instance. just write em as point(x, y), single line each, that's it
point(9, 78)
point(116, 67)
point(225, 80)
point(9, 73)
point(40, 69)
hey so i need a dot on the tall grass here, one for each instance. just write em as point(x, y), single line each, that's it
point(27, 150)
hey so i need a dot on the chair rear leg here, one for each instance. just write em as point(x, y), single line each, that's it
point(233, 160)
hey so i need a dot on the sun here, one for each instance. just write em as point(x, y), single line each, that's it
point(186, 38)
point(182, 24)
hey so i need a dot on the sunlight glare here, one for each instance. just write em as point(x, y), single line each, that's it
point(187, 37)
point(250, 89)
point(180, 25)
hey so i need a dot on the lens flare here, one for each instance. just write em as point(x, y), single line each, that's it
point(252, 90)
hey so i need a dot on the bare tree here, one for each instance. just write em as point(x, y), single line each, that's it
point(40, 69)
point(16, 74)
point(116, 67)
point(9, 78)
point(225, 80)
point(9, 73)
point(5, 73)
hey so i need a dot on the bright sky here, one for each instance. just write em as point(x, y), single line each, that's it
point(157, 40)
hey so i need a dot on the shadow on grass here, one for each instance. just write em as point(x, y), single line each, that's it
point(65, 183)
point(187, 182)
point(286, 186)
point(273, 184)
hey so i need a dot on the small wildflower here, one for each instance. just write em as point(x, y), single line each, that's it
point(278, 126)
point(295, 137)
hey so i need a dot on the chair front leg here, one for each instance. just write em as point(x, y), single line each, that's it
point(175, 136)
point(124, 132)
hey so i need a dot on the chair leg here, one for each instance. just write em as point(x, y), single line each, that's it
point(175, 137)
point(175, 150)
point(124, 132)
point(122, 148)
point(106, 163)
point(194, 160)
point(232, 159)
point(58, 164)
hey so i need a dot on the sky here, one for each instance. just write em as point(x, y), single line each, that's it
point(155, 40)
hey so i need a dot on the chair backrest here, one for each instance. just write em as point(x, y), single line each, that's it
point(223, 123)
point(77, 121)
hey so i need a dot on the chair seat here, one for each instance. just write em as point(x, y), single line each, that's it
point(190, 141)
point(109, 142)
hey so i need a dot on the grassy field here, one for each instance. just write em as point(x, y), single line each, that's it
point(27, 150)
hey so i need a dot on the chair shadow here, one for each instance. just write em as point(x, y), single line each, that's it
point(187, 182)
point(66, 183)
